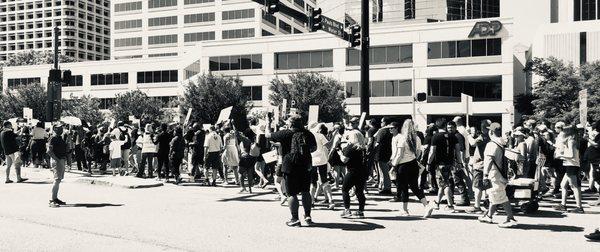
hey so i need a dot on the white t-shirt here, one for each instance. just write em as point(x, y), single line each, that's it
point(213, 142)
point(115, 149)
point(398, 143)
point(319, 157)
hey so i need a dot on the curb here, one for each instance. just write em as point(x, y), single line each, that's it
point(93, 181)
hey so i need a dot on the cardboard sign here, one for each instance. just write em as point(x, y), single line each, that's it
point(583, 108)
point(363, 117)
point(224, 115)
point(467, 103)
point(313, 114)
point(284, 108)
point(276, 117)
point(270, 157)
point(188, 116)
point(28, 113)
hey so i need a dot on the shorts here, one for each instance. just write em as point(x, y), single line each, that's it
point(478, 179)
point(318, 172)
point(59, 169)
point(443, 175)
point(115, 163)
point(573, 171)
point(213, 160)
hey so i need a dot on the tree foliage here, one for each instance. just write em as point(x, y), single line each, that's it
point(86, 108)
point(307, 89)
point(31, 96)
point(30, 58)
point(139, 104)
point(209, 94)
point(557, 92)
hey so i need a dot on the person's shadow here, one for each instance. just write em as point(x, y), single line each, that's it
point(352, 226)
point(549, 227)
point(92, 205)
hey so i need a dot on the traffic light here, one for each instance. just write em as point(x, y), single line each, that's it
point(354, 36)
point(67, 77)
point(315, 20)
point(53, 102)
point(272, 6)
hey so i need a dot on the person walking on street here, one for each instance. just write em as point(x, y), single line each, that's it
point(352, 151)
point(163, 139)
point(57, 150)
point(176, 154)
point(495, 173)
point(213, 145)
point(297, 144)
point(443, 154)
point(477, 160)
point(38, 145)
point(383, 145)
point(149, 150)
point(246, 166)
point(571, 164)
point(8, 139)
point(406, 149)
point(319, 174)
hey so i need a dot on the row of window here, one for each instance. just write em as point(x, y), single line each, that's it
point(464, 48)
point(162, 21)
point(161, 3)
point(128, 6)
point(76, 81)
point(186, 2)
point(586, 10)
point(480, 91)
point(108, 103)
point(162, 39)
point(156, 55)
point(22, 81)
point(200, 17)
point(235, 62)
point(128, 24)
point(157, 76)
point(238, 14)
point(123, 42)
point(238, 33)
point(109, 79)
point(472, 9)
point(199, 36)
point(302, 60)
point(382, 55)
point(387, 88)
point(253, 93)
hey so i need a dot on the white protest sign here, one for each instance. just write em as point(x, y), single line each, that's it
point(276, 117)
point(270, 157)
point(363, 117)
point(583, 108)
point(467, 103)
point(28, 113)
point(224, 115)
point(206, 127)
point(188, 116)
point(313, 114)
point(284, 108)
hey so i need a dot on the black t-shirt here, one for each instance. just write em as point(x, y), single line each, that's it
point(461, 141)
point(371, 134)
point(384, 144)
point(445, 145)
point(593, 152)
point(164, 139)
point(59, 147)
point(355, 162)
point(8, 139)
point(284, 137)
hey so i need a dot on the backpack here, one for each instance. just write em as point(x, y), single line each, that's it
point(300, 154)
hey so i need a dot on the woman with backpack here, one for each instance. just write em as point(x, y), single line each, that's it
point(333, 158)
point(351, 152)
point(319, 172)
point(571, 164)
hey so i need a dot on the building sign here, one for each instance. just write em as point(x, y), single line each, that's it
point(486, 28)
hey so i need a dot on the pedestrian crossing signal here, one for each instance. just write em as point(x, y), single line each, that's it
point(316, 19)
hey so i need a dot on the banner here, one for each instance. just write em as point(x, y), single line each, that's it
point(583, 108)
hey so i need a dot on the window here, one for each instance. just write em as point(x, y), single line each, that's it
point(269, 18)
point(198, 18)
point(162, 21)
point(12, 83)
point(285, 27)
point(157, 76)
point(107, 103)
point(239, 33)
point(384, 88)
point(409, 9)
point(161, 3)
point(238, 14)
point(128, 42)
point(235, 62)
point(465, 48)
point(162, 39)
point(586, 10)
point(155, 55)
point(76, 81)
point(253, 93)
point(128, 24)
point(128, 6)
point(186, 2)
point(481, 91)
point(198, 36)
point(582, 47)
point(382, 55)
point(109, 79)
point(300, 60)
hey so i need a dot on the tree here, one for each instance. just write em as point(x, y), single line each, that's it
point(209, 94)
point(590, 74)
point(30, 58)
point(137, 103)
point(32, 96)
point(85, 108)
point(308, 89)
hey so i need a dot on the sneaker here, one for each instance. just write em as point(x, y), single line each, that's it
point(293, 223)
point(8, 181)
point(450, 209)
point(331, 206)
point(359, 215)
point(346, 214)
point(593, 236)
point(474, 210)
point(464, 203)
point(578, 210)
point(428, 210)
point(508, 224)
point(22, 180)
point(60, 202)
point(395, 199)
point(308, 221)
point(404, 213)
point(560, 207)
point(53, 204)
point(485, 219)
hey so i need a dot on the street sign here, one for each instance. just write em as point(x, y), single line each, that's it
point(334, 27)
point(583, 108)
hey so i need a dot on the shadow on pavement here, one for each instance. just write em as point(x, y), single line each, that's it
point(247, 197)
point(397, 218)
point(553, 228)
point(453, 216)
point(37, 182)
point(546, 214)
point(93, 205)
point(353, 226)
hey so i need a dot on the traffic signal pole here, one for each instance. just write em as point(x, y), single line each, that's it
point(364, 59)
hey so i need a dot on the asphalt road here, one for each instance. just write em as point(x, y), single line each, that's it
point(197, 218)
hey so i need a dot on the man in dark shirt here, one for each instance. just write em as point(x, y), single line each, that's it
point(296, 175)
point(8, 140)
point(197, 149)
point(461, 180)
point(177, 152)
point(164, 139)
point(57, 150)
point(383, 144)
point(443, 154)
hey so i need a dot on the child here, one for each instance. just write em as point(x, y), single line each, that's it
point(115, 154)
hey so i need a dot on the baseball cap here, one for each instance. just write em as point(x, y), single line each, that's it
point(494, 126)
point(354, 119)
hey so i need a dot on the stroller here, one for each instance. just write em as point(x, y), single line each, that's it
point(524, 193)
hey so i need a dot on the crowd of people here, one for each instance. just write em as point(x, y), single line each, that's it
point(445, 159)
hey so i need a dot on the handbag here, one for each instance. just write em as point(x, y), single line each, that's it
point(486, 184)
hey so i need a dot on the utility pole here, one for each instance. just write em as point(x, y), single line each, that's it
point(364, 60)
